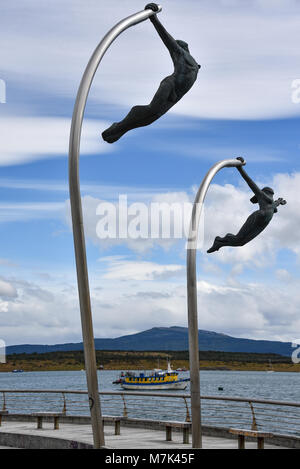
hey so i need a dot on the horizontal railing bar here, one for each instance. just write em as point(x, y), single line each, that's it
point(148, 394)
point(254, 401)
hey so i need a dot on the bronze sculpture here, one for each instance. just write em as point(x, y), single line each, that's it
point(171, 88)
point(257, 221)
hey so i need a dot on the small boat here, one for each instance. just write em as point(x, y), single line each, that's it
point(270, 370)
point(17, 371)
point(156, 380)
point(181, 369)
point(120, 379)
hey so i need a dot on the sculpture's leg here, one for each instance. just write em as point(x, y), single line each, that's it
point(228, 240)
point(252, 227)
point(135, 118)
point(139, 116)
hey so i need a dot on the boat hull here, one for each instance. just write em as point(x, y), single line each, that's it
point(180, 384)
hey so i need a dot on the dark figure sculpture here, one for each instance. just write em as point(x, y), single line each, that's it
point(257, 221)
point(170, 90)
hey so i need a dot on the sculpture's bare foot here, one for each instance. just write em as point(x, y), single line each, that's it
point(212, 249)
point(216, 246)
point(111, 134)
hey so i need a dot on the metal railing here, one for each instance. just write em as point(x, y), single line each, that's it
point(280, 417)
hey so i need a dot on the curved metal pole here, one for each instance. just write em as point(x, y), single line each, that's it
point(192, 298)
point(77, 221)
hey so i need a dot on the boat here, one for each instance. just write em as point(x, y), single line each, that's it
point(156, 380)
point(270, 370)
point(17, 371)
point(120, 379)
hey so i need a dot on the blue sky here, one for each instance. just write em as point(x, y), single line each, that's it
point(241, 105)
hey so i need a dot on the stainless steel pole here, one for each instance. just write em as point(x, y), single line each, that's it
point(192, 298)
point(77, 220)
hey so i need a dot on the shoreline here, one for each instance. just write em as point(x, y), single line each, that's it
point(116, 360)
point(263, 367)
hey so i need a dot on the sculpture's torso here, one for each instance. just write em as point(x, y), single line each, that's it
point(185, 72)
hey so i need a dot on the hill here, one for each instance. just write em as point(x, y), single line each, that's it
point(167, 338)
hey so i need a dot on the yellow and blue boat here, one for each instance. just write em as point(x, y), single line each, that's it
point(156, 380)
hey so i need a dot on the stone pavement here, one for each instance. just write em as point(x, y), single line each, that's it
point(130, 438)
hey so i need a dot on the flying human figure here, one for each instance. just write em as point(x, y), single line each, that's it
point(171, 88)
point(257, 221)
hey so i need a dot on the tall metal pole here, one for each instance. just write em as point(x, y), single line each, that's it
point(77, 220)
point(192, 298)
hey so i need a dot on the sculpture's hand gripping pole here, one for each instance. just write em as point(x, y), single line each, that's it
point(200, 196)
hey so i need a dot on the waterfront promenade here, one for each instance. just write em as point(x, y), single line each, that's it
point(25, 434)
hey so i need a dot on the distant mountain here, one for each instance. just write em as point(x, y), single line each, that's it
point(167, 338)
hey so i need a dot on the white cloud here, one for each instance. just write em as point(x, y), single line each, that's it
point(203, 151)
point(7, 289)
point(25, 139)
point(250, 310)
point(134, 299)
point(122, 269)
point(140, 245)
point(226, 209)
point(129, 295)
point(23, 211)
point(248, 51)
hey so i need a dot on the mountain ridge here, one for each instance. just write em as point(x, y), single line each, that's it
point(165, 339)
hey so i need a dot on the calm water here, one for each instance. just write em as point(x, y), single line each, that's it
point(276, 386)
point(253, 385)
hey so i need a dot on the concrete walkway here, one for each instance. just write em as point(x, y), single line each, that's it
point(130, 438)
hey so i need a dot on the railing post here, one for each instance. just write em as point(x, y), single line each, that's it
point(4, 403)
point(64, 410)
point(254, 424)
point(188, 417)
point(125, 413)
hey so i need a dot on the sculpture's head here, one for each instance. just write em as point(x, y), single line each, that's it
point(267, 190)
point(183, 44)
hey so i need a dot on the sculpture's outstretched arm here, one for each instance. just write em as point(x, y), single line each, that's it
point(167, 39)
point(249, 181)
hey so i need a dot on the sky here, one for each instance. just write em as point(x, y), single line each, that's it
point(245, 102)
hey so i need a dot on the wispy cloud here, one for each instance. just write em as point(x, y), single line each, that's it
point(123, 269)
point(25, 139)
point(137, 296)
point(226, 209)
point(205, 151)
point(16, 212)
point(107, 191)
point(247, 66)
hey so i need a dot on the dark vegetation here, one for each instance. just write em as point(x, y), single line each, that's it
point(118, 360)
